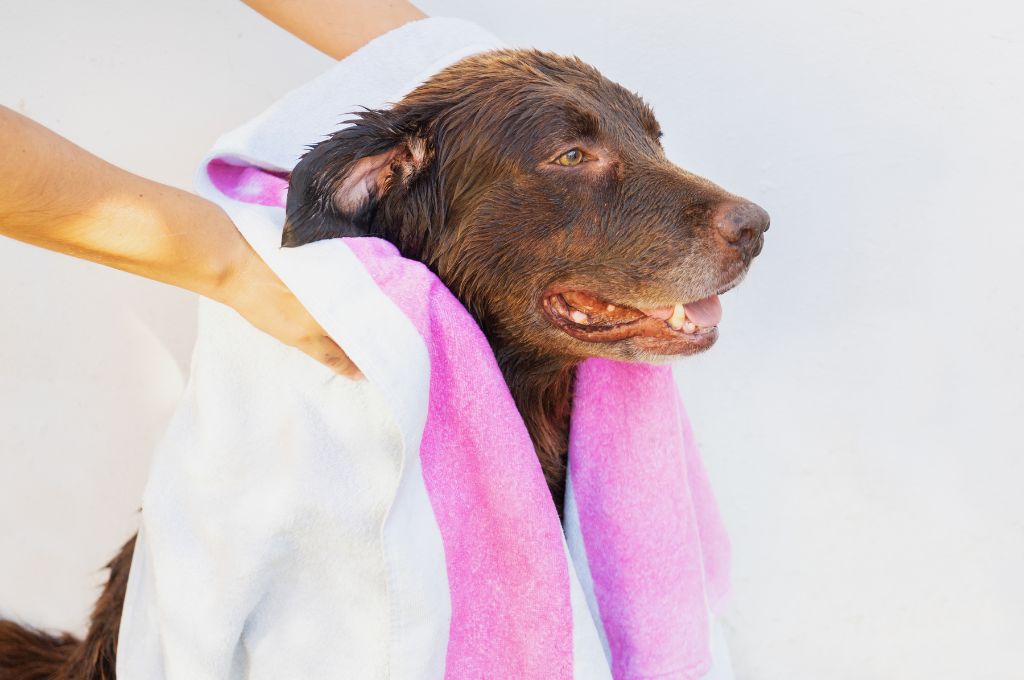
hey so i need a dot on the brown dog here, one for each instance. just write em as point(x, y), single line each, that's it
point(539, 192)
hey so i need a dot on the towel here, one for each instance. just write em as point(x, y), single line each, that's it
point(300, 525)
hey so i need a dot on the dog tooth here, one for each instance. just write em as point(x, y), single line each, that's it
point(689, 327)
point(579, 317)
point(678, 317)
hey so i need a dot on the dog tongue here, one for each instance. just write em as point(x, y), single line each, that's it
point(706, 312)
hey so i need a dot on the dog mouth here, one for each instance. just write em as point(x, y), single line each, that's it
point(680, 328)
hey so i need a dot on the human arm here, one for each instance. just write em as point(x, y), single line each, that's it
point(56, 195)
point(337, 27)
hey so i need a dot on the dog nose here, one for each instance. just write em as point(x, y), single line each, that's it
point(741, 224)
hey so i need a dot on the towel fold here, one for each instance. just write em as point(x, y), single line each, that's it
point(300, 525)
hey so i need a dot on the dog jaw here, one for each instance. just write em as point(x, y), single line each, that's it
point(682, 328)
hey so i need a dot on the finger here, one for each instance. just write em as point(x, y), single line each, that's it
point(327, 352)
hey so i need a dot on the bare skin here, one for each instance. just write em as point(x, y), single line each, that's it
point(58, 196)
point(337, 27)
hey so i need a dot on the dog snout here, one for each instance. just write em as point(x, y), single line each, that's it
point(741, 224)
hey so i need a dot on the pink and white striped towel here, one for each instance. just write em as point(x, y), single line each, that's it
point(299, 525)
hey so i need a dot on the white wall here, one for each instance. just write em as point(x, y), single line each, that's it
point(860, 415)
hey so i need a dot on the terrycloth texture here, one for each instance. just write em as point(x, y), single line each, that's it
point(299, 525)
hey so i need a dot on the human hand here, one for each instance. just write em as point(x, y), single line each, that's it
point(253, 290)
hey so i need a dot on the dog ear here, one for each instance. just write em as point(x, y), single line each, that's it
point(337, 185)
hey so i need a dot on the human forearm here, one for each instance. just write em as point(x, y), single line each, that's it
point(57, 195)
point(337, 27)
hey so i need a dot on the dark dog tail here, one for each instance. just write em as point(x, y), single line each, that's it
point(28, 654)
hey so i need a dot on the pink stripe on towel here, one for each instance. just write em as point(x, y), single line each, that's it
point(643, 511)
point(507, 571)
point(248, 184)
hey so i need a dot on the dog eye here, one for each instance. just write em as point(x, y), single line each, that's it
point(570, 158)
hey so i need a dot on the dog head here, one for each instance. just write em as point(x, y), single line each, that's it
point(539, 192)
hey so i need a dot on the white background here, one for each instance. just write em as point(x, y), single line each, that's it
point(860, 416)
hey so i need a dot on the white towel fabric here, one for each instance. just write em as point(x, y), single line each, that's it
point(286, 531)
